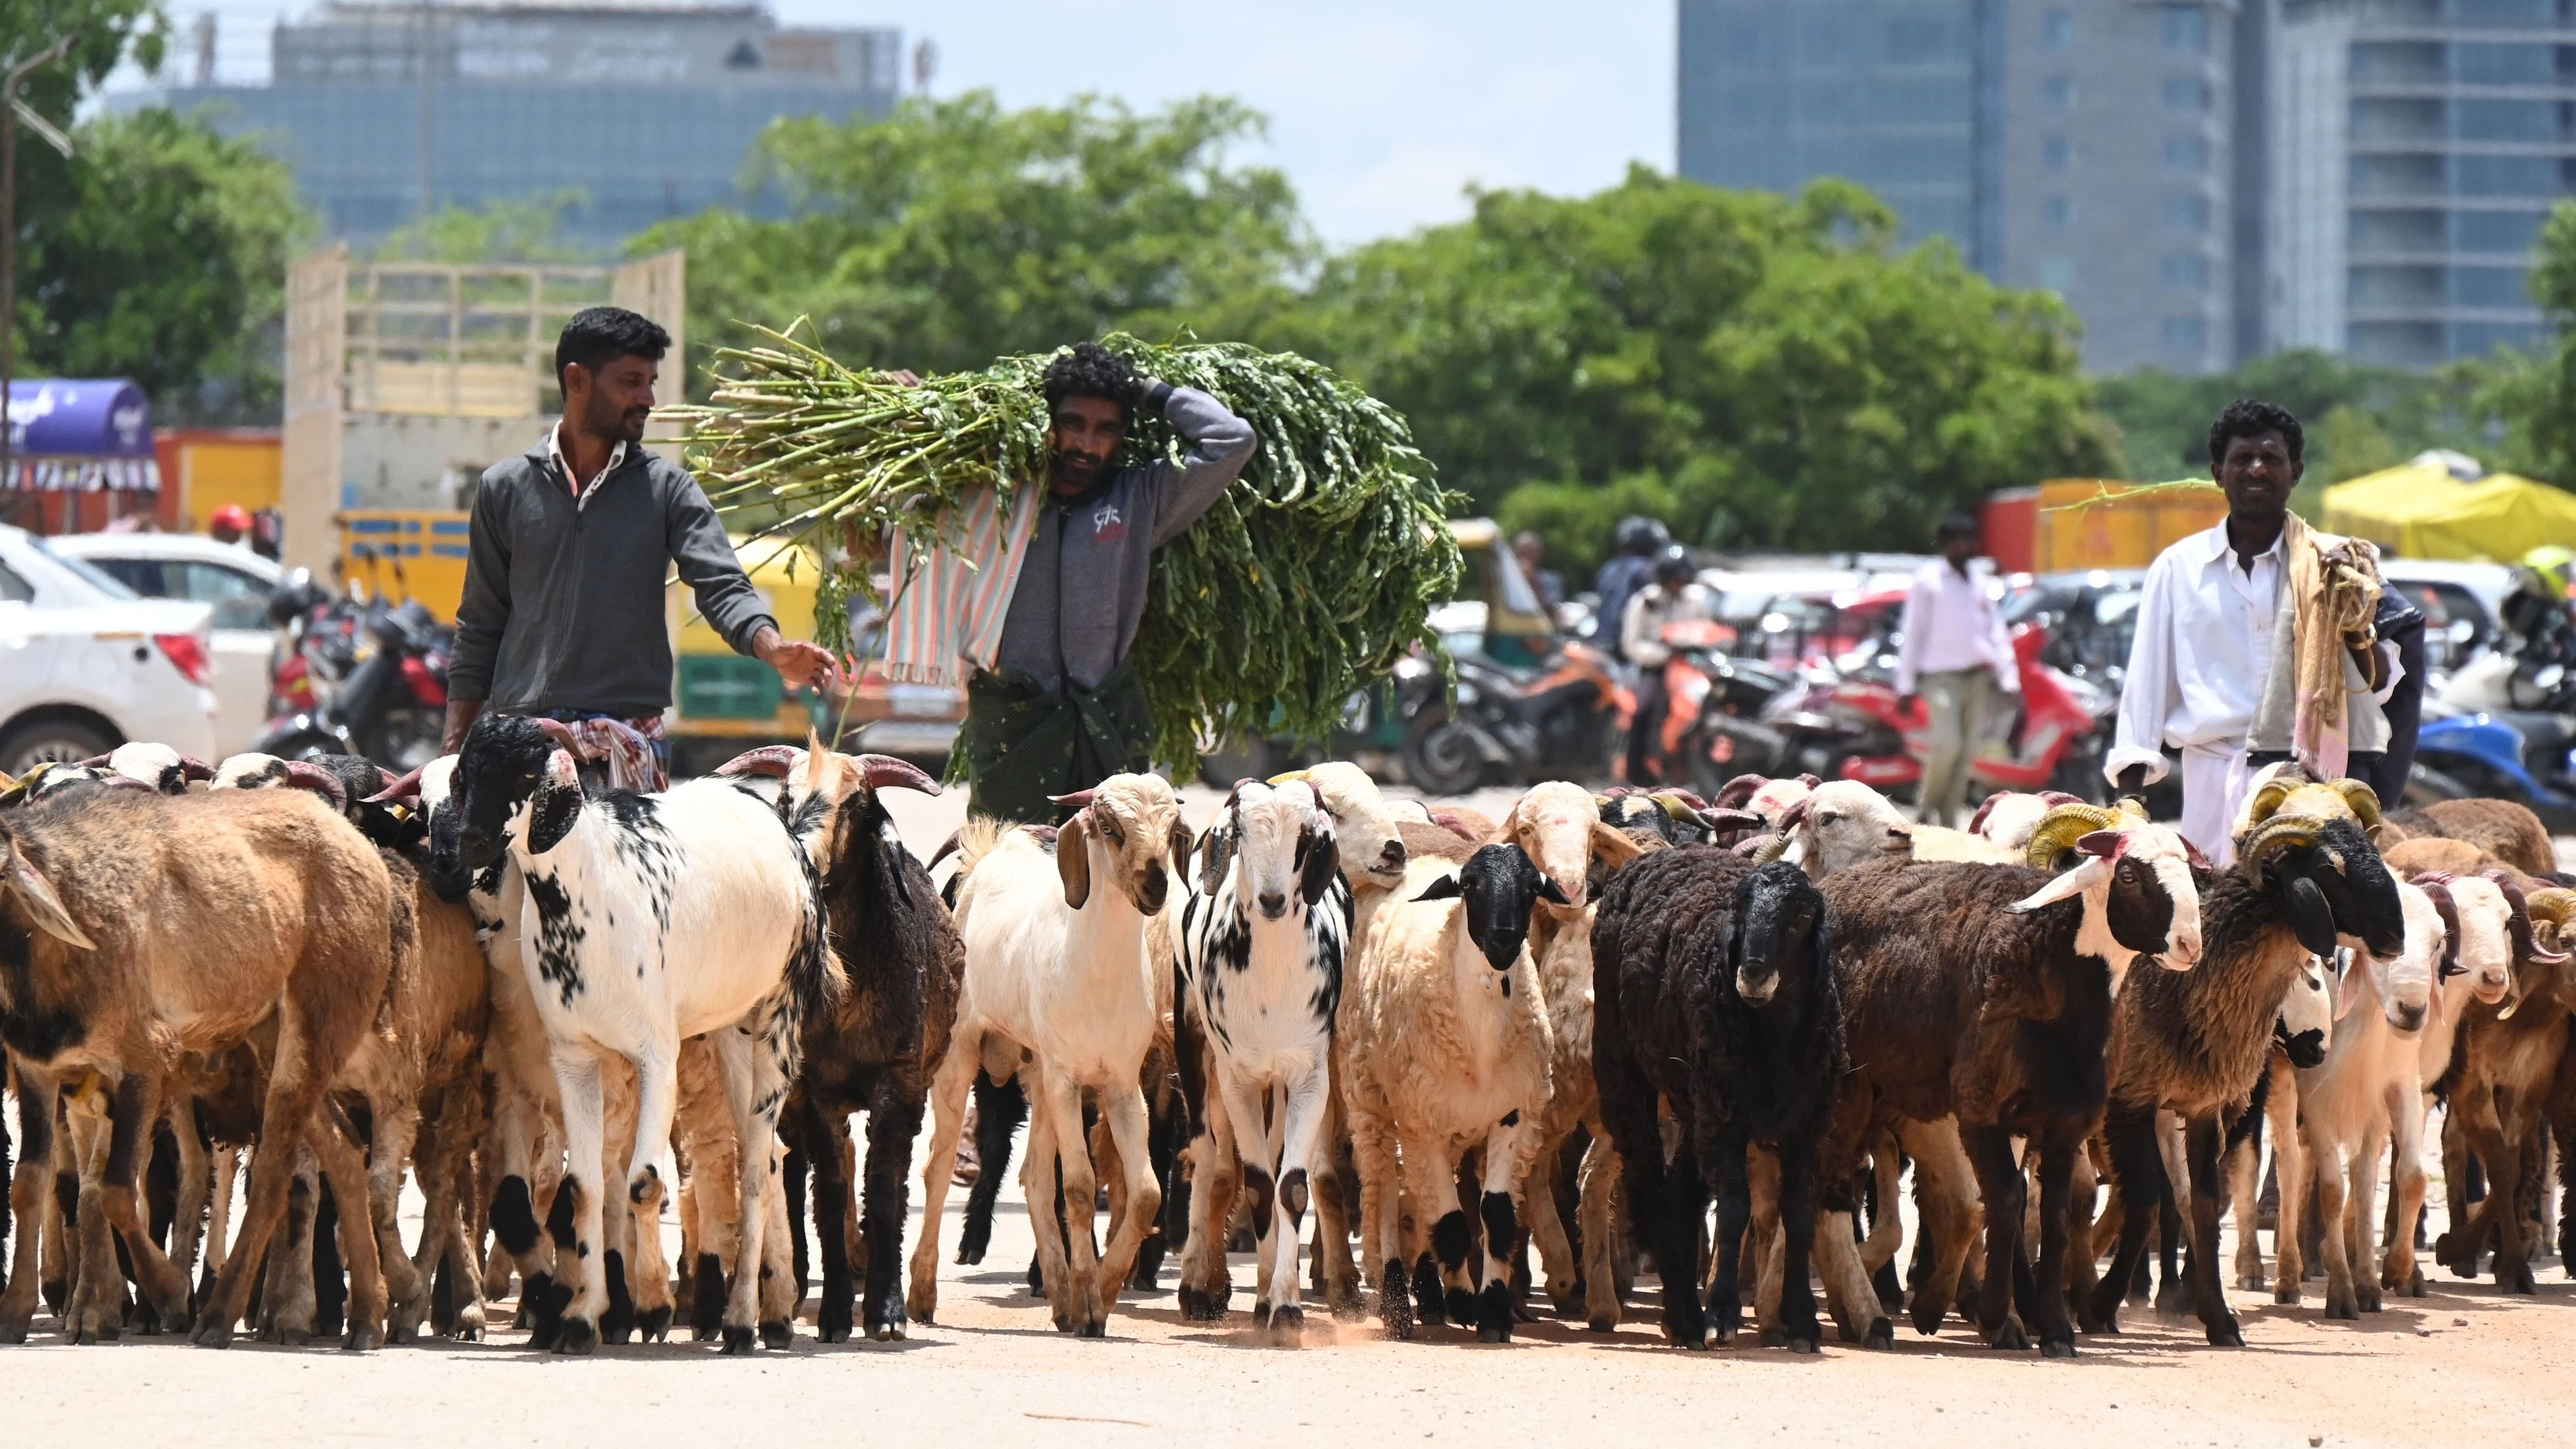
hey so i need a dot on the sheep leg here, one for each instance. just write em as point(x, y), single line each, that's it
point(2243, 1187)
point(2137, 1170)
point(781, 1296)
point(219, 1221)
point(344, 1168)
point(1335, 1200)
point(287, 1306)
point(1381, 1220)
point(2082, 1263)
point(295, 1087)
point(1946, 1187)
point(30, 1188)
point(2455, 1249)
point(196, 1185)
point(1598, 1217)
point(948, 1091)
point(1123, 1108)
point(1797, 1325)
point(2400, 1273)
point(396, 1125)
point(1665, 1201)
point(438, 1163)
point(1439, 1273)
point(2204, 1138)
point(1298, 1127)
point(1215, 1176)
point(1046, 1187)
point(2512, 1173)
point(1001, 1106)
point(821, 1131)
point(133, 1115)
point(1999, 1181)
point(1886, 1226)
point(2057, 1151)
point(1509, 1153)
point(1740, 1200)
point(578, 1073)
point(754, 1085)
point(649, 1266)
point(894, 1121)
point(97, 1311)
point(1547, 1230)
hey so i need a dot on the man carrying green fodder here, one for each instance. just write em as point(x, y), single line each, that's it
point(1061, 705)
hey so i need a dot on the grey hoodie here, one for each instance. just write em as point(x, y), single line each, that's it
point(1081, 591)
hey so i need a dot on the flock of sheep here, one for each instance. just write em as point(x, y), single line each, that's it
point(1442, 1035)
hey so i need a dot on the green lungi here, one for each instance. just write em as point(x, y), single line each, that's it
point(1023, 742)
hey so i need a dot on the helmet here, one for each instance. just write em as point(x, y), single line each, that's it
point(1640, 535)
point(1673, 565)
point(232, 516)
point(2549, 569)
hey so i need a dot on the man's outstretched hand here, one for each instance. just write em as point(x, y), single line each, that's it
point(800, 662)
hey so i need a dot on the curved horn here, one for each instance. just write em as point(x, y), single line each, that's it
point(2526, 940)
point(561, 733)
point(1285, 776)
point(2364, 802)
point(885, 772)
point(2060, 828)
point(2554, 906)
point(1731, 820)
point(305, 775)
point(2436, 887)
point(1771, 847)
point(2268, 799)
point(946, 848)
point(1078, 800)
point(1674, 807)
point(774, 761)
point(192, 768)
point(2055, 798)
point(1735, 792)
point(2271, 838)
point(403, 791)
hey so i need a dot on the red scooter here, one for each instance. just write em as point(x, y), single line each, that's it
point(2057, 740)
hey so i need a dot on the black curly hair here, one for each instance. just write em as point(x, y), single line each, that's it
point(1087, 369)
point(2252, 418)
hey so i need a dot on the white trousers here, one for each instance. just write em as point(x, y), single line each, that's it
point(2214, 780)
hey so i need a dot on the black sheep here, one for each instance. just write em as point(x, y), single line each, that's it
point(1713, 990)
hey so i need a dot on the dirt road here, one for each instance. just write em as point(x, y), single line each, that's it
point(2461, 1366)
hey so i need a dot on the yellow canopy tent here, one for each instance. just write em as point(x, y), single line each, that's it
point(2424, 509)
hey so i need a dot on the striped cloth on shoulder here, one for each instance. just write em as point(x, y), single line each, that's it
point(949, 597)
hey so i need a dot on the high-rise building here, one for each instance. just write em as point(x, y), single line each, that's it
point(640, 112)
point(2422, 143)
point(2096, 148)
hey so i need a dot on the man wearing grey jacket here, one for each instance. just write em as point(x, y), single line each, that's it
point(1062, 706)
point(562, 612)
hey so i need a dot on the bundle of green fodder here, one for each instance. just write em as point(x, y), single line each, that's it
point(1304, 583)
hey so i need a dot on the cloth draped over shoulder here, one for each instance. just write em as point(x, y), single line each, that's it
point(945, 621)
point(1023, 742)
point(2316, 704)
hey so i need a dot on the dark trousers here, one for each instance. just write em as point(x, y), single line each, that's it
point(1645, 732)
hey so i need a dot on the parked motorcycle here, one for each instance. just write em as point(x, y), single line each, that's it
point(2525, 756)
point(362, 677)
point(1563, 718)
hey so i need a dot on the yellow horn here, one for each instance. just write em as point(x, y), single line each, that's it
point(2364, 802)
point(2268, 799)
point(1773, 848)
point(2061, 827)
point(2272, 837)
point(1286, 776)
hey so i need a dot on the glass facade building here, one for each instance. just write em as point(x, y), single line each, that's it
point(638, 113)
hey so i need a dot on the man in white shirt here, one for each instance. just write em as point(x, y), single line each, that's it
point(1953, 656)
point(2206, 623)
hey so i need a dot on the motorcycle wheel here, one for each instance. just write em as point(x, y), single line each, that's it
point(1440, 755)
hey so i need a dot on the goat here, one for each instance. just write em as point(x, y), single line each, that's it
point(1985, 993)
point(138, 928)
point(2305, 879)
point(722, 928)
point(1714, 993)
point(1058, 982)
point(1259, 970)
point(1446, 1039)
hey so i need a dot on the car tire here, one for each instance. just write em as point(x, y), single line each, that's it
point(58, 738)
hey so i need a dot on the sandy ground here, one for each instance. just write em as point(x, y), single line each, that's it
point(2461, 1365)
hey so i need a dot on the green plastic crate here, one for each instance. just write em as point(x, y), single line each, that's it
point(728, 686)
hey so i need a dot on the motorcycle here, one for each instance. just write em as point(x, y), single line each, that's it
point(1713, 711)
point(364, 679)
point(1562, 718)
point(2529, 757)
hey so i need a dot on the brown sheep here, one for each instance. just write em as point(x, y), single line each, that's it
point(140, 927)
point(2502, 828)
point(2503, 1066)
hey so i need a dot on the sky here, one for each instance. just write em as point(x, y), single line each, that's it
point(1381, 113)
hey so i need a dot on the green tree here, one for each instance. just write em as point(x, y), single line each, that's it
point(1777, 369)
point(2358, 418)
point(954, 231)
point(159, 253)
point(529, 230)
point(2530, 398)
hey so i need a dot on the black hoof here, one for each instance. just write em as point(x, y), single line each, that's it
point(359, 1340)
point(2227, 1335)
point(775, 1333)
point(831, 1332)
point(1882, 1334)
point(1462, 1306)
point(1927, 1316)
point(2057, 1348)
point(1096, 1328)
point(577, 1338)
point(1495, 1314)
point(1394, 1305)
point(1805, 1343)
point(2009, 1338)
point(737, 1340)
point(208, 1335)
point(1288, 1325)
point(889, 1329)
point(654, 1325)
point(1602, 1325)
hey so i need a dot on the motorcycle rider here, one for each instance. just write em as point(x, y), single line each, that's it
point(1671, 599)
point(1638, 541)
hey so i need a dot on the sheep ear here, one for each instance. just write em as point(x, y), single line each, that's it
point(1323, 862)
point(552, 811)
point(1612, 847)
point(1549, 890)
point(2348, 987)
point(20, 876)
point(2061, 888)
point(1182, 844)
point(1073, 859)
point(1215, 856)
point(1442, 888)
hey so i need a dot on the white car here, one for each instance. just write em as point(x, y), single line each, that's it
point(234, 580)
point(86, 665)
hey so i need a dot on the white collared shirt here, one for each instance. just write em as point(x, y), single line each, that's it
point(1951, 623)
point(2203, 648)
point(563, 465)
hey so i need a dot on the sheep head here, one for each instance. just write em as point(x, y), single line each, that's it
point(515, 782)
point(2007, 817)
point(1368, 840)
point(1839, 824)
point(1779, 934)
point(2403, 982)
point(1557, 825)
point(158, 766)
point(2134, 877)
point(2304, 1027)
point(2483, 928)
point(2334, 885)
point(1135, 823)
point(1278, 841)
point(1497, 888)
point(26, 894)
point(2286, 789)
